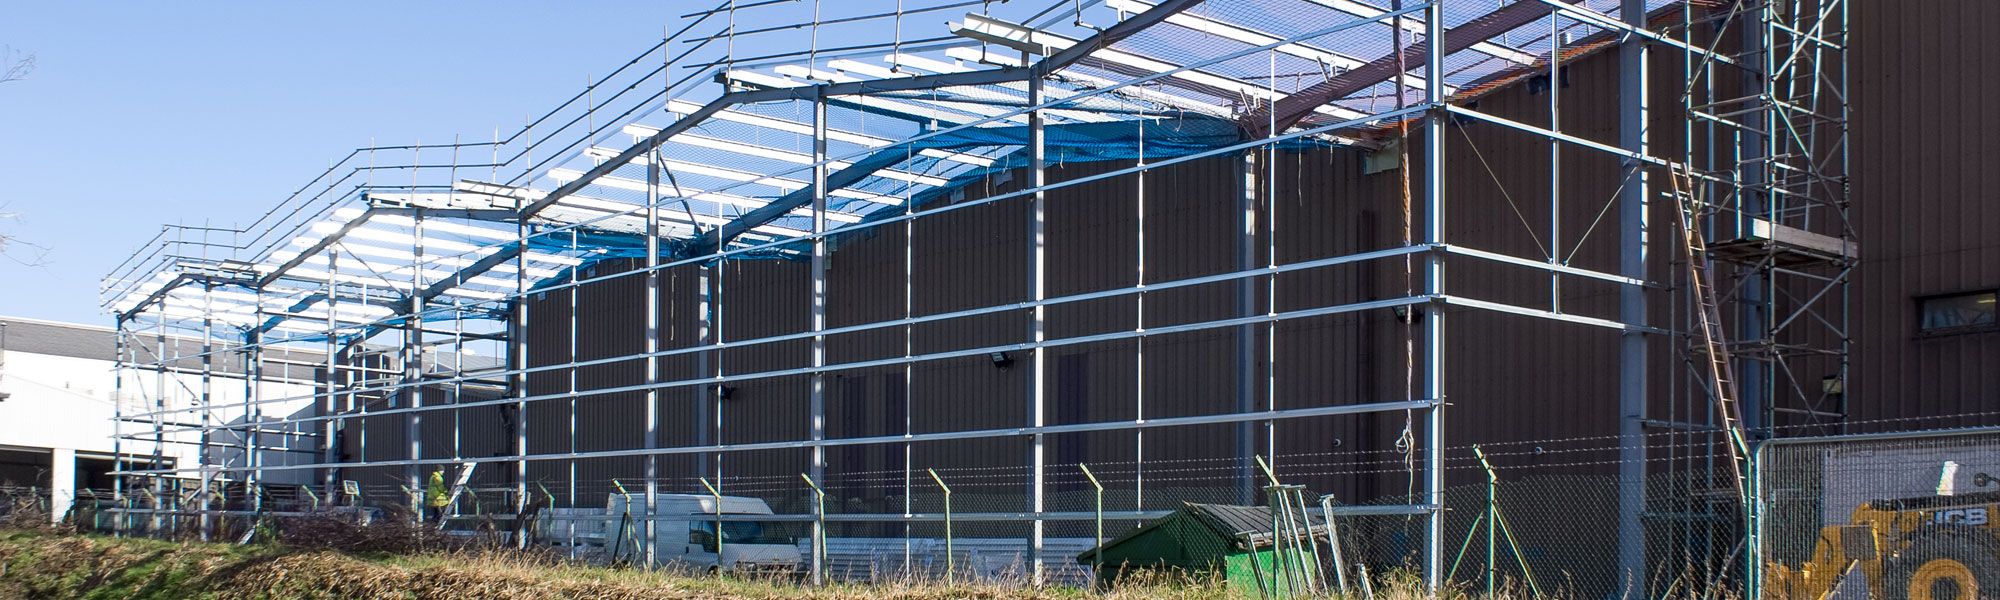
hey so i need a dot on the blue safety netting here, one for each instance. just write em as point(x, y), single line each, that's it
point(1063, 143)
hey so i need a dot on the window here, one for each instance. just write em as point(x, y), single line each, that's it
point(737, 532)
point(1956, 313)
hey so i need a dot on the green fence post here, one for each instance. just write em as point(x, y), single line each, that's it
point(1333, 542)
point(819, 533)
point(950, 564)
point(717, 493)
point(1316, 576)
point(1492, 487)
point(522, 525)
point(1097, 557)
point(625, 521)
point(1753, 539)
point(1280, 563)
point(1499, 522)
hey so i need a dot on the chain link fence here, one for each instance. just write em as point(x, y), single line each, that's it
point(1902, 516)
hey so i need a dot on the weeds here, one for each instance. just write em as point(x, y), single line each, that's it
point(44, 564)
point(347, 560)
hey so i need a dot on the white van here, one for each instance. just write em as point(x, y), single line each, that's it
point(687, 532)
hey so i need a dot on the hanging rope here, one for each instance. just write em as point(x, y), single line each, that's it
point(1406, 441)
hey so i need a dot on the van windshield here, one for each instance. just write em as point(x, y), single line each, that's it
point(745, 532)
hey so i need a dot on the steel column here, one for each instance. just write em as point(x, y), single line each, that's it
point(1632, 359)
point(1245, 369)
point(207, 402)
point(413, 368)
point(518, 334)
point(253, 411)
point(1037, 321)
point(1431, 336)
point(159, 423)
point(1756, 151)
point(330, 444)
point(819, 256)
point(653, 333)
point(118, 462)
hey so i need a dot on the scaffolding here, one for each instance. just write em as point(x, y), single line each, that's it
point(402, 279)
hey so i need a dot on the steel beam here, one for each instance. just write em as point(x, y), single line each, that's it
point(1287, 111)
point(1039, 69)
point(912, 438)
point(325, 242)
point(1020, 306)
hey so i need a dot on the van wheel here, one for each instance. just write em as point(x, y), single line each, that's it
point(1944, 567)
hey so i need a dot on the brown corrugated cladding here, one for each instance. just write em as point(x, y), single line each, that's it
point(1922, 153)
point(457, 433)
point(1530, 381)
point(615, 420)
point(763, 298)
point(547, 421)
point(372, 438)
point(1518, 381)
point(477, 432)
point(1510, 378)
point(609, 324)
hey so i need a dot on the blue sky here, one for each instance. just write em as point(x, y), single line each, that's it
point(145, 113)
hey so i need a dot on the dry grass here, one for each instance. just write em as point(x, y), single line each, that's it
point(42, 564)
point(45, 562)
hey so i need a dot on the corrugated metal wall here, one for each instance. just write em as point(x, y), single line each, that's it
point(1510, 378)
point(1923, 146)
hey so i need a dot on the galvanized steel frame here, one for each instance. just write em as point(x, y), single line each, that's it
point(1431, 249)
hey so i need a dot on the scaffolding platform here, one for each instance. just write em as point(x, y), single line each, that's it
point(1785, 246)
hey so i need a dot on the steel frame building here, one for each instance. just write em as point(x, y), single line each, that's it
point(417, 272)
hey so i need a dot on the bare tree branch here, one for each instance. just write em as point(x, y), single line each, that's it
point(18, 64)
point(8, 241)
point(17, 67)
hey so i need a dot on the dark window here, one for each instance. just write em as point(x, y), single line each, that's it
point(1072, 406)
point(1956, 313)
point(1072, 389)
point(853, 423)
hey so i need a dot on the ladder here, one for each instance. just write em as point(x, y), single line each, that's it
point(1714, 350)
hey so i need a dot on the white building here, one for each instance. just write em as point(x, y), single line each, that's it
point(60, 399)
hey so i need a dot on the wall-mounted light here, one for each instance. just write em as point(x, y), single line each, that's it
point(1001, 359)
point(1407, 314)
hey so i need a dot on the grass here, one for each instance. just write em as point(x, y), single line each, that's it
point(44, 564)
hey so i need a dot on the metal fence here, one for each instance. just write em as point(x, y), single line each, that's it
point(1537, 518)
point(1905, 516)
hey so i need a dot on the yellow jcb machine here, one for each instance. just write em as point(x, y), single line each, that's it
point(1940, 547)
